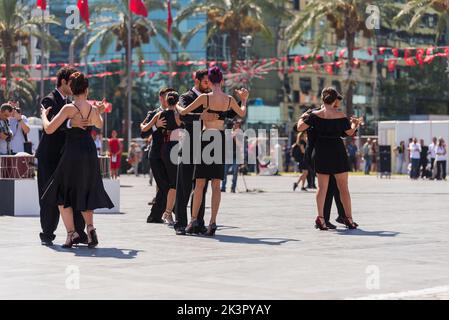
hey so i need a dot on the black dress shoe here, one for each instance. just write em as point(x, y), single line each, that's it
point(153, 220)
point(46, 242)
point(331, 226)
point(181, 231)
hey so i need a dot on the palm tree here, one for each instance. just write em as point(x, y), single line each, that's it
point(346, 18)
point(16, 29)
point(233, 18)
point(415, 11)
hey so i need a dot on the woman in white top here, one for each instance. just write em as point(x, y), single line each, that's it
point(441, 159)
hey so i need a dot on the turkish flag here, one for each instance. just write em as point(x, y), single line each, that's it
point(342, 53)
point(83, 7)
point(410, 62)
point(382, 50)
point(392, 65)
point(420, 55)
point(42, 4)
point(329, 68)
point(395, 52)
point(138, 7)
point(169, 17)
point(406, 53)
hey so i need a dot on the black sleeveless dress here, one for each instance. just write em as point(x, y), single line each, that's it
point(167, 146)
point(214, 141)
point(330, 152)
point(77, 181)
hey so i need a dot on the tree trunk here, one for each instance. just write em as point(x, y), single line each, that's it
point(234, 44)
point(8, 73)
point(350, 42)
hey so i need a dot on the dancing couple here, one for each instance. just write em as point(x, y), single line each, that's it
point(327, 126)
point(69, 175)
point(209, 106)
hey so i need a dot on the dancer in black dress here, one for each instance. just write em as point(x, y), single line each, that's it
point(171, 137)
point(76, 183)
point(330, 153)
point(218, 103)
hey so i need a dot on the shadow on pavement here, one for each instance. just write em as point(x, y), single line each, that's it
point(360, 232)
point(83, 251)
point(245, 240)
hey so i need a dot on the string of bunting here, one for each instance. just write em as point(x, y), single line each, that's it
point(410, 56)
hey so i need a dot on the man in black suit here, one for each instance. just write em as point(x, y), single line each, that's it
point(156, 163)
point(48, 155)
point(185, 179)
point(332, 190)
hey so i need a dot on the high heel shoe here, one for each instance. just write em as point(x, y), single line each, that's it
point(320, 225)
point(168, 218)
point(72, 236)
point(193, 227)
point(92, 237)
point(211, 230)
point(350, 225)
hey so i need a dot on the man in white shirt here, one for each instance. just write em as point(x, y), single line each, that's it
point(20, 128)
point(5, 131)
point(415, 156)
point(432, 153)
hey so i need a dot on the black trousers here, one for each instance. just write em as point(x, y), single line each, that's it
point(161, 177)
point(441, 170)
point(311, 177)
point(184, 185)
point(333, 193)
point(49, 215)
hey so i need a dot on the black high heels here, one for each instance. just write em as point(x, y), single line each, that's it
point(350, 225)
point(193, 227)
point(211, 230)
point(320, 224)
point(92, 237)
point(72, 238)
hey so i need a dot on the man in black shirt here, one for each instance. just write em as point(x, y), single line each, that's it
point(423, 161)
point(156, 163)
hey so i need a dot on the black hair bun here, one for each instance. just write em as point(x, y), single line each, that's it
point(172, 98)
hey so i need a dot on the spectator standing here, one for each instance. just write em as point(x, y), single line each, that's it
point(6, 134)
point(415, 156)
point(441, 159)
point(423, 161)
point(400, 157)
point(19, 128)
point(115, 152)
point(432, 152)
point(367, 151)
point(352, 154)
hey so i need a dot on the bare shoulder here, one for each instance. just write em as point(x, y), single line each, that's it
point(69, 109)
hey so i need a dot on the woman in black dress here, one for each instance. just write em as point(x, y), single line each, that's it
point(76, 185)
point(330, 153)
point(171, 139)
point(212, 163)
point(299, 151)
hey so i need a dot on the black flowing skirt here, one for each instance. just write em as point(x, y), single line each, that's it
point(77, 181)
point(212, 164)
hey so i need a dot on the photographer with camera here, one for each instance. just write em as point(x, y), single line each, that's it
point(20, 129)
point(6, 134)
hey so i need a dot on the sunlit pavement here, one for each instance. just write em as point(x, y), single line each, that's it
point(266, 247)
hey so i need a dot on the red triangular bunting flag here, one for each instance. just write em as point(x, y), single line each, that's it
point(395, 52)
point(410, 62)
point(392, 65)
point(138, 7)
point(83, 7)
point(42, 4)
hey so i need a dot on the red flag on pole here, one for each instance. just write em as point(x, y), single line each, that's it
point(138, 7)
point(392, 65)
point(42, 4)
point(83, 7)
point(169, 17)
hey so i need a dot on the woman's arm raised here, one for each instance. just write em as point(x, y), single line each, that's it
point(51, 126)
point(201, 100)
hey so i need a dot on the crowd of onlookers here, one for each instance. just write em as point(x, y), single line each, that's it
point(422, 161)
point(415, 159)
